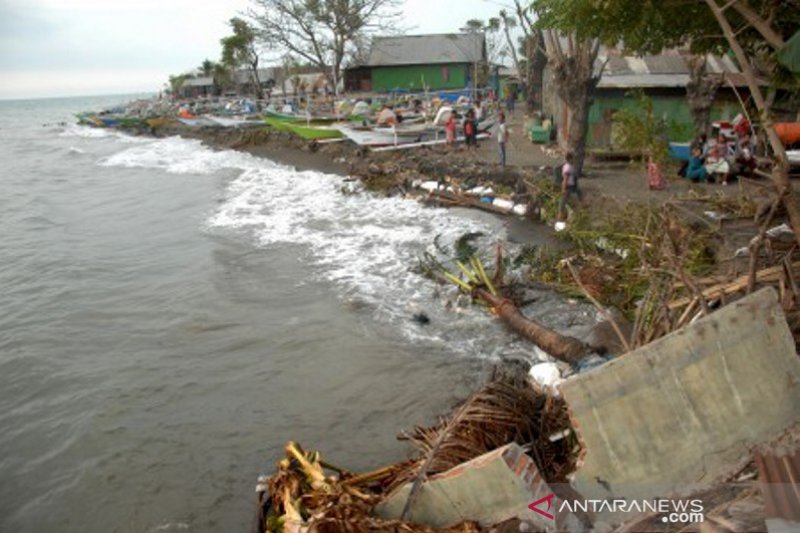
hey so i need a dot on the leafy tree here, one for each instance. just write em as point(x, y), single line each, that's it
point(756, 31)
point(640, 131)
point(222, 76)
point(239, 49)
point(322, 32)
point(207, 67)
point(176, 82)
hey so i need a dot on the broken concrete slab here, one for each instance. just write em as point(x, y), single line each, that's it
point(683, 411)
point(490, 489)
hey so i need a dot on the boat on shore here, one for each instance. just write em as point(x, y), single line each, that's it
point(232, 122)
point(299, 119)
point(367, 136)
point(314, 133)
point(196, 122)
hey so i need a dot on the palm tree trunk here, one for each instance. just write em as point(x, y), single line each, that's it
point(564, 348)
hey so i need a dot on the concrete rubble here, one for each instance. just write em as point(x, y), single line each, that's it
point(490, 489)
point(666, 420)
point(681, 413)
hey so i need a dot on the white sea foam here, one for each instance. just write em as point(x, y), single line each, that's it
point(88, 132)
point(362, 243)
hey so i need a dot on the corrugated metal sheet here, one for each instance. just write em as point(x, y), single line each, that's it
point(667, 63)
point(199, 82)
point(625, 81)
point(669, 69)
point(426, 49)
point(780, 484)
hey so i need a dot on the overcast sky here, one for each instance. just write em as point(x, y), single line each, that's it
point(85, 47)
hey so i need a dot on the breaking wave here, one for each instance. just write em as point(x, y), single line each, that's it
point(364, 244)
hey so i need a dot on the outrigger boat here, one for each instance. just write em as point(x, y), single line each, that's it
point(227, 122)
point(314, 133)
point(299, 119)
point(366, 136)
point(197, 122)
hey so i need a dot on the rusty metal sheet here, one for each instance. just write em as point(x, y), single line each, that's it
point(780, 483)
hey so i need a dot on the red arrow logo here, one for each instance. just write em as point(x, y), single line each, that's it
point(535, 506)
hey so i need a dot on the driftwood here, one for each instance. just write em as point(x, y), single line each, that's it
point(772, 274)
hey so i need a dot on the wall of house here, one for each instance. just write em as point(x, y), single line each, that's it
point(668, 104)
point(412, 77)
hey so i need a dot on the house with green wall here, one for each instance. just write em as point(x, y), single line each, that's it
point(663, 78)
point(418, 63)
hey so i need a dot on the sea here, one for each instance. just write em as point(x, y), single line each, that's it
point(171, 315)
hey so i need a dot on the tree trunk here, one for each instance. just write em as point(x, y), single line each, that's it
point(258, 91)
point(780, 169)
point(537, 61)
point(575, 80)
point(567, 349)
point(578, 132)
point(700, 93)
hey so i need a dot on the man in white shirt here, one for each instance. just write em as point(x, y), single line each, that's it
point(502, 138)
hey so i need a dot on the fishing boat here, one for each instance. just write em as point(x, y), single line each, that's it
point(275, 123)
point(131, 122)
point(230, 122)
point(366, 136)
point(109, 122)
point(314, 133)
point(197, 122)
point(157, 122)
point(299, 119)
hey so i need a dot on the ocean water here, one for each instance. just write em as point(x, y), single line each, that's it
point(172, 315)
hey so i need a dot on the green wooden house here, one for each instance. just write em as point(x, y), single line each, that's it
point(418, 63)
point(661, 77)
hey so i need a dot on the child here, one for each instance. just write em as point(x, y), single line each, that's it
point(569, 185)
point(471, 130)
point(450, 129)
point(655, 177)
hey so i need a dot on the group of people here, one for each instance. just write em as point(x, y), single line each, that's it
point(720, 160)
point(469, 126)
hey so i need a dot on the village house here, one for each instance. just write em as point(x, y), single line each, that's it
point(419, 62)
point(278, 81)
point(663, 78)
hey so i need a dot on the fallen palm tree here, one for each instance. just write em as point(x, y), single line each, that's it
point(476, 283)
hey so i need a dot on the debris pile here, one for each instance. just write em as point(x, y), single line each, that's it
point(308, 494)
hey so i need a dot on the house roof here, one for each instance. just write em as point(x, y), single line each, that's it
point(202, 81)
point(427, 49)
point(668, 69)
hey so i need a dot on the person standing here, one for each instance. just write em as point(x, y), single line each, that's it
point(470, 130)
point(502, 138)
point(450, 129)
point(569, 185)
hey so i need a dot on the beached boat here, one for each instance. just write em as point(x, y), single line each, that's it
point(229, 122)
point(299, 119)
point(197, 122)
point(275, 123)
point(365, 136)
point(131, 122)
point(158, 122)
point(109, 122)
point(314, 133)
